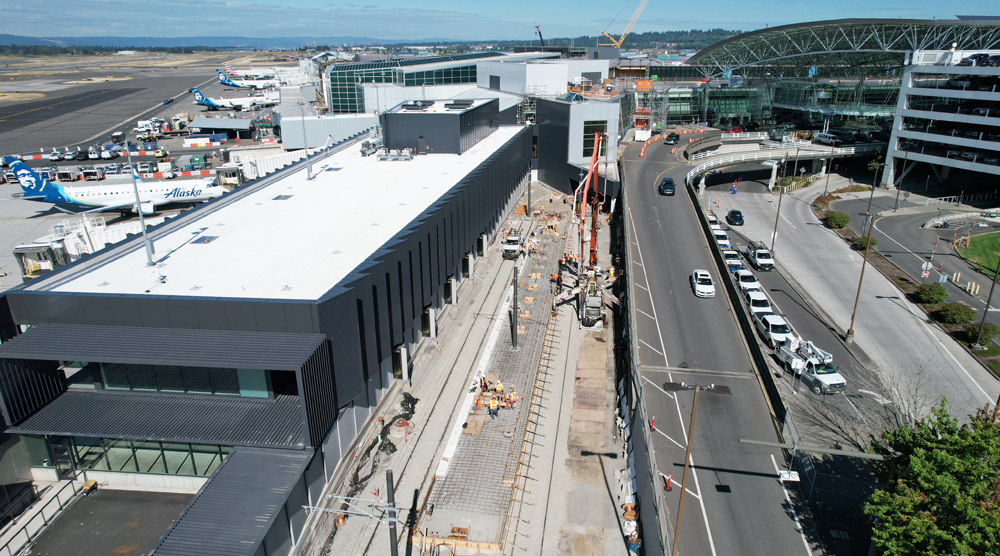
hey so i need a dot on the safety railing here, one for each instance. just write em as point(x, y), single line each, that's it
point(758, 156)
point(750, 136)
point(38, 522)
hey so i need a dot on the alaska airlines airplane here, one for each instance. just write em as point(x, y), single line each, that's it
point(251, 84)
point(231, 103)
point(255, 73)
point(110, 197)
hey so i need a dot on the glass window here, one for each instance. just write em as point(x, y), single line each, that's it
point(206, 459)
point(591, 127)
point(90, 454)
point(149, 457)
point(178, 459)
point(120, 456)
point(253, 383)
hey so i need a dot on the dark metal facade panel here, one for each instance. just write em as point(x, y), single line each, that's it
point(163, 346)
point(553, 145)
point(318, 393)
point(238, 506)
point(172, 418)
point(27, 385)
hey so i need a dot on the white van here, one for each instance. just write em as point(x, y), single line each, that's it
point(722, 238)
point(828, 139)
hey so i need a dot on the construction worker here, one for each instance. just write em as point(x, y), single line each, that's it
point(513, 398)
point(493, 407)
point(552, 282)
point(559, 283)
point(499, 387)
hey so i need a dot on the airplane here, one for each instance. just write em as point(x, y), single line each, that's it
point(119, 196)
point(231, 103)
point(254, 73)
point(250, 84)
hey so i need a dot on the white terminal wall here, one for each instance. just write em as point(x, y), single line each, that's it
point(320, 130)
point(592, 111)
point(520, 77)
point(298, 248)
point(385, 97)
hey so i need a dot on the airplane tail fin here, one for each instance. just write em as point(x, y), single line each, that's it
point(225, 80)
point(32, 185)
point(230, 70)
point(251, 65)
point(201, 99)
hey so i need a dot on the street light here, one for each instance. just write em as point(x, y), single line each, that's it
point(305, 142)
point(677, 387)
point(138, 208)
point(986, 310)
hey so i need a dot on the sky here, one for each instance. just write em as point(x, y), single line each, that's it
point(440, 19)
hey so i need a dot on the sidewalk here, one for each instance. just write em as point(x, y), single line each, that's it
point(918, 363)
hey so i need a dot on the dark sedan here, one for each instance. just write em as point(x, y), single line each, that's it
point(667, 187)
point(734, 218)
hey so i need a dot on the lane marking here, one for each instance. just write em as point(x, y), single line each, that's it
point(645, 313)
point(641, 286)
point(643, 342)
point(791, 508)
point(670, 439)
point(667, 394)
point(680, 419)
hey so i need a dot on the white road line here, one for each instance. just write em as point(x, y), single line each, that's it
point(791, 508)
point(667, 394)
point(649, 346)
point(641, 286)
point(680, 419)
point(668, 438)
point(645, 313)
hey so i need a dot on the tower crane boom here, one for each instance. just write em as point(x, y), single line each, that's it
point(617, 43)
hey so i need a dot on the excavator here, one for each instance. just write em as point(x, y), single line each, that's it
point(617, 43)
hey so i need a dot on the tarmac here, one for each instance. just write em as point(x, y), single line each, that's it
point(918, 363)
point(504, 483)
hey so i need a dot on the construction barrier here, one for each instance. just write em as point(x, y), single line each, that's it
point(205, 144)
point(181, 174)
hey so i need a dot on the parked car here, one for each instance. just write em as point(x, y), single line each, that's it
point(757, 302)
point(734, 218)
point(746, 280)
point(702, 283)
point(722, 239)
point(55, 156)
point(772, 328)
point(80, 155)
point(667, 187)
point(161, 153)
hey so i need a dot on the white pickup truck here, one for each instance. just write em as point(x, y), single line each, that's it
point(512, 245)
point(758, 255)
point(813, 365)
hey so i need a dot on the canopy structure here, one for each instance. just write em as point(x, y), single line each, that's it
point(859, 46)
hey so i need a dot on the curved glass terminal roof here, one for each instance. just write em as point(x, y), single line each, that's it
point(857, 45)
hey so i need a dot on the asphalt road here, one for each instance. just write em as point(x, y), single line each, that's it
point(908, 246)
point(736, 505)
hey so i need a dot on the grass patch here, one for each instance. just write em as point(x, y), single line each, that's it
point(855, 188)
point(994, 366)
point(983, 250)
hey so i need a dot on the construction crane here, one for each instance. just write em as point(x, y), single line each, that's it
point(617, 43)
point(540, 35)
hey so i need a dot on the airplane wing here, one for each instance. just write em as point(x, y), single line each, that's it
point(98, 209)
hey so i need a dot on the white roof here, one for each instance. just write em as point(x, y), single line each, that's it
point(296, 248)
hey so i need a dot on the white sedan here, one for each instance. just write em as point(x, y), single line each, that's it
point(746, 280)
point(702, 283)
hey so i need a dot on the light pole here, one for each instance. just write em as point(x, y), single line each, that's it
point(677, 387)
point(986, 310)
point(864, 263)
point(829, 166)
point(138, 208)
point(309, 175)
point(774, 234)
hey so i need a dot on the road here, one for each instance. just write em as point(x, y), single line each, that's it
point(736, 503)
point(908, 246)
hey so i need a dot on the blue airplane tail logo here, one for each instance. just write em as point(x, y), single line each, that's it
point(199, 98)
point(226, 80)
point(34, 185)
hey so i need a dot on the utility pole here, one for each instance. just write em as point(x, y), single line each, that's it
point(774, 235)
point(138, 208)
point(677, 387)
point(829, 167)
point(513, 317)
point(390, 492)
point(309, 168)
point(864, 263)
point(986, 310)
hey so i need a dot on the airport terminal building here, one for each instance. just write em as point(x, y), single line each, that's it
point(245, 360)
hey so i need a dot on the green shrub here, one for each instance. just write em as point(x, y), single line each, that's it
point(836, 219)
point(860, 243)
point(954, 313)
point(930, 293)
point(990, 331)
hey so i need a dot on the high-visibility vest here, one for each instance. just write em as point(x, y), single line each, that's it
point(493, 403)
point(513, 396)
point(499, 386)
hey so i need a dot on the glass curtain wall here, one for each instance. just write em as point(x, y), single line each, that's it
point(247, 383)
point(131, 456)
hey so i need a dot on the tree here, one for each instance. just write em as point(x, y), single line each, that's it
point(942, 494)
point(930, 293)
